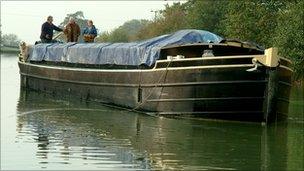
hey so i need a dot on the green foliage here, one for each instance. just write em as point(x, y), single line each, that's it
point(166, 21)
point(206, 15)
point(118, 35)
point(127, 32)
point(252, 21)
point(289, 37)
point(104, 37)
point(171, 19)
point(266, 22)
point(132, 27)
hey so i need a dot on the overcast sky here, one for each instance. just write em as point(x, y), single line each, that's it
point(24, 18)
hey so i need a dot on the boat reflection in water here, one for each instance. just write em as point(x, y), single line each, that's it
point(82, 135)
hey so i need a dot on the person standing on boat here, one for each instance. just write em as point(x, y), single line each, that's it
point(90, 32)
point(47, 29)
point(72, 31)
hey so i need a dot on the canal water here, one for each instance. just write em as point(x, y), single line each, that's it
point(42, 132)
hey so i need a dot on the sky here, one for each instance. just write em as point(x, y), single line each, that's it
point(24, 18)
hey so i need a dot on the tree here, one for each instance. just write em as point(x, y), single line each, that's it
point(10, 40)
point(132, 27)
point(171, 19)
point(119, 35)
point(289, 36)
point(124, 33)
point(252, 20)
point(104, 37)
point(266, 22)
point(79, 19)
point(206, 14)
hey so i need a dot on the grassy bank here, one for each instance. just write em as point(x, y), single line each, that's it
point(9, 50)
point(296, 106)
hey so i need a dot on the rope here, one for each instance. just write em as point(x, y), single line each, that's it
point(59, 34)
point(153, 89)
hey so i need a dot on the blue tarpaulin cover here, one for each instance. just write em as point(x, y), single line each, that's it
point(134, 53)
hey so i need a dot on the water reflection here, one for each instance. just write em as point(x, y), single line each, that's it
point(69, 133)
point(91, 136)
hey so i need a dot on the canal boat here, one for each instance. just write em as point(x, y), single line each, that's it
point(187, 73)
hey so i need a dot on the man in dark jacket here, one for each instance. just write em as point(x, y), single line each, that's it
point(47, 31)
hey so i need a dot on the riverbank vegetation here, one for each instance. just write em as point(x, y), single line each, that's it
point(12, 50)
point(267, 23)
point(9, 43)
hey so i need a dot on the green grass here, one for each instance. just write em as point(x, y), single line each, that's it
point(9, 50)
point(296, 103)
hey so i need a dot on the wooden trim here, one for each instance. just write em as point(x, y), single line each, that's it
point(232, 44)
point(285, 83)
point(205, 112)
point(283, 99)
point(210, 58)
point(203, 83)
point(205, 67)
point(145, 85)
point(137, 70)
point(80, 82)
point(204, 99)
point(285, 67)
point(288, 60)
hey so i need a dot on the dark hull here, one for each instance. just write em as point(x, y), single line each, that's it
point(212, 91)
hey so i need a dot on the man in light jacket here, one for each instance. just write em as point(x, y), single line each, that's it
point(90, 32)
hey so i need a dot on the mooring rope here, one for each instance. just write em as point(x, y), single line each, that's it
point(154, 88)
